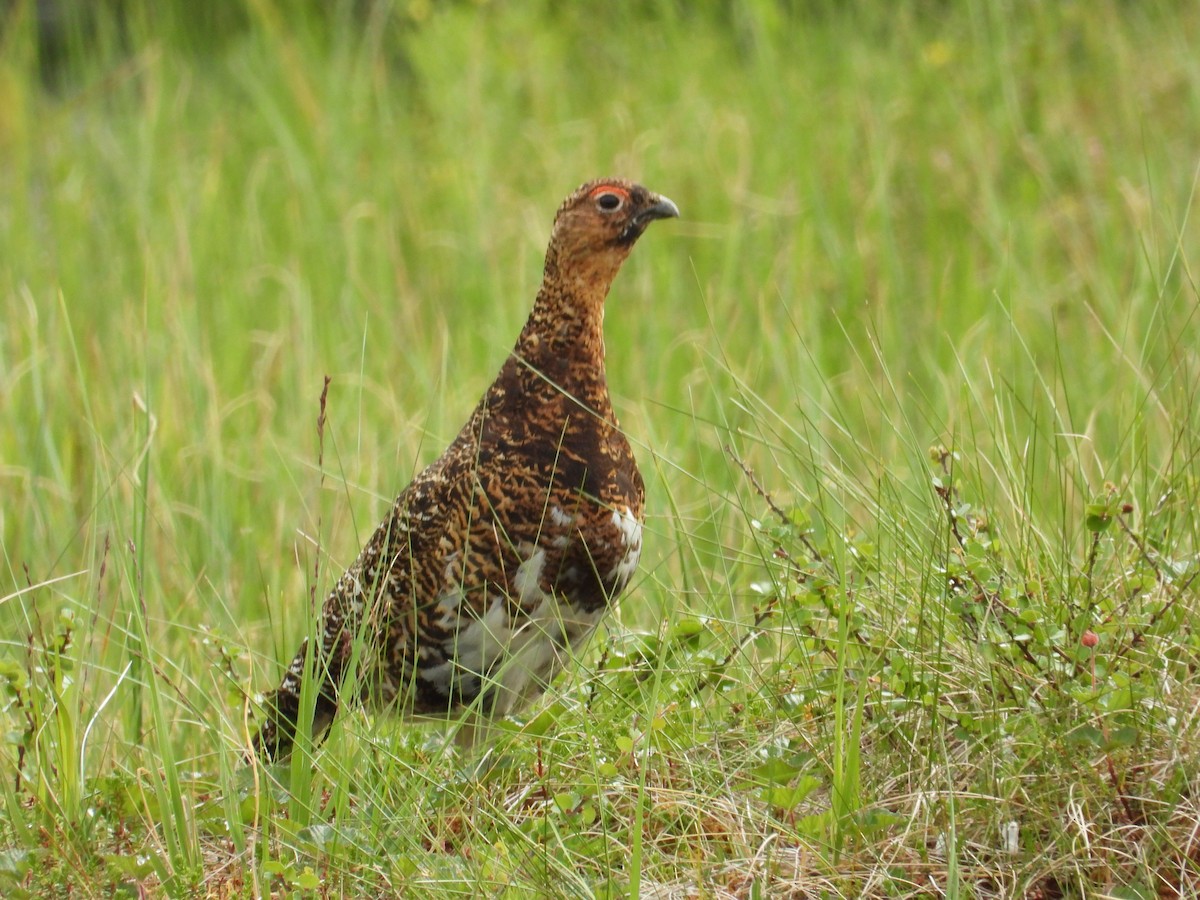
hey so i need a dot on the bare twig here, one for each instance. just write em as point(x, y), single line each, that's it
point(312, 590)
point(770, 501)
point(948, 495)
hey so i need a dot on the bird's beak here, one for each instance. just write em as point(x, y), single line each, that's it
point(661, 208)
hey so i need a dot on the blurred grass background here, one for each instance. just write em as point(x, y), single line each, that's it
point(903, 225)
point(211, 210)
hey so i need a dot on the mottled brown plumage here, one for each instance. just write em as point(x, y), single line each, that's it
point(504, 553)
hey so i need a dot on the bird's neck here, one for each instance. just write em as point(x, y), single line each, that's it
point(563, 339)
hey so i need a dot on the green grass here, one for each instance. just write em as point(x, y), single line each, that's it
point(914, 384)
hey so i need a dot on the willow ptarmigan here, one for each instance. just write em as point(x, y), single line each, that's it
point(503, 554)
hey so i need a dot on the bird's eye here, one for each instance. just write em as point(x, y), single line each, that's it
point(609, 202)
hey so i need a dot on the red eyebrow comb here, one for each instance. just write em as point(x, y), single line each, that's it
point(608, 189)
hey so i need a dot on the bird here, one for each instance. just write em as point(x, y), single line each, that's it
point(499, 559)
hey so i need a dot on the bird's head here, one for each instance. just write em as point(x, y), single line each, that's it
point(598, 224)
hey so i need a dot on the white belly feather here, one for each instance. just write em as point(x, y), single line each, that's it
point(517, 658)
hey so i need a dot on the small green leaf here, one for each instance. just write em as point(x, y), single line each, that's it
point(308, 880)
point(17, 862)
point(319, 835)
point(776, 771)
point(1121, 737)
point(136, 866)
point(1086, 734)
point(1134, 891)
point(544, 721)
point(816, 826)
point(1099, 514)
point(588, 814)
point(566, 801)
point(686, 630)
point(875, 819)
point(800, 519)
point(787, 797)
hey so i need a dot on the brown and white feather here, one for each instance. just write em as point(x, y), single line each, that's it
point(500, 557)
